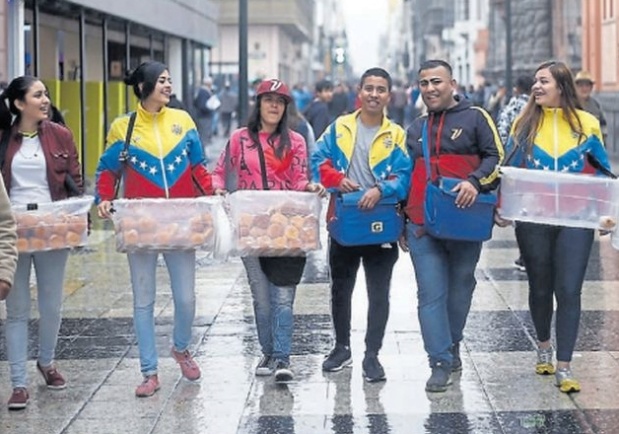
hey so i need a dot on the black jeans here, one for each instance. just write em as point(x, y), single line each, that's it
point(556, 259)
point(378, 264)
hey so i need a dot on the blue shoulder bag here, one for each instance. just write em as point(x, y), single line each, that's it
point(351, 226)
point(442, 218)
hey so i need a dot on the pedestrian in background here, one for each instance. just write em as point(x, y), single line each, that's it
point(167, 137)
point(584, 87)
point(8, 240)
point(317, 113)
point(229, 103)
point(463, 143)
point(39, 155)
point(363, 151)
point(552, 133)
point(203, 113)
point(285, 161)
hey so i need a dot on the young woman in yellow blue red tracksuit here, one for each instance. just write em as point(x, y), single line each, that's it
point(463, 143)
point(553, 133)
point(165, 159)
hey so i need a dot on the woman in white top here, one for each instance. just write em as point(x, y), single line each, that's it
point(39, 164)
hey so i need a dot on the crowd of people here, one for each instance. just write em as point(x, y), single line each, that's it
point(337, 140)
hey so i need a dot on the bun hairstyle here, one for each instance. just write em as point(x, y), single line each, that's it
point(16, 90)
point(146, 74)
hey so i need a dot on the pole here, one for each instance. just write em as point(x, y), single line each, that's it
point(106, 75)
point(508, 48)
point(82, 77)
point(243, 54)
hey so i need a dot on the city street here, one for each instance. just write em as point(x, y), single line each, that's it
point(497, 392)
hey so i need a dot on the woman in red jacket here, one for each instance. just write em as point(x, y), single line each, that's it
point(36, 157)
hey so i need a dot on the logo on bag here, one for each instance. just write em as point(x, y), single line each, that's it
point(376, 227)
point(455, 133)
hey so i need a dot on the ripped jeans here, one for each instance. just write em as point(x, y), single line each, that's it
point(272, 309)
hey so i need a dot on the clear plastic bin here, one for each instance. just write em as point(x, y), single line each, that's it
point(275, 223)
point(557, 198)
point(166, 224)
point(54, 225)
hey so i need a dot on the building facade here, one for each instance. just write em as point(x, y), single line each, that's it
point(280, 34)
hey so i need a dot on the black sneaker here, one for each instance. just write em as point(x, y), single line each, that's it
point(519, 264)
point(283, 374)
point(339, 358)
point(440, 378)
point(372, 369)
point(456, 364)
point(265, 366)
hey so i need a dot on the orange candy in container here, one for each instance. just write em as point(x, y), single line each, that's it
point(166, 224)
point(55, 225)
point(275, 223)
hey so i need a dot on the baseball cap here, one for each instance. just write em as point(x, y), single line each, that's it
point(274, 85)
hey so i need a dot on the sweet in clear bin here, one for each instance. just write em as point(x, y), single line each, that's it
point(166, 224)
point(558, 198)
point(275, 223)
point(54, 225)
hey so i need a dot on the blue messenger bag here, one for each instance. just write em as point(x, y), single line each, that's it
point(442, 218)
point(352, 226)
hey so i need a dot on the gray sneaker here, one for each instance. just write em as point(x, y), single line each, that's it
point(544, 364)
point(565, 381)
point(440, 378)
point(265, 366)
point(283, 373)
point(339, 358)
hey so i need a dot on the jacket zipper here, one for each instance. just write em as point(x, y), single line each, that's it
point(163, 174)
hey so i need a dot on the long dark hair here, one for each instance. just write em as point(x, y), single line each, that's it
point(146, 74)
point(530, 121)
point(17, 90)
point(282, 130)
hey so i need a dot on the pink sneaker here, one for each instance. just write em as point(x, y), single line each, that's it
point(189, 367)
point(52, 377)
point(19, 399)
point(148, 387)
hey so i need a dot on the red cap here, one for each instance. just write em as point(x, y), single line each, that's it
point(274, 86)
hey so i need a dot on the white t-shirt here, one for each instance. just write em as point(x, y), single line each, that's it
point(29, 174)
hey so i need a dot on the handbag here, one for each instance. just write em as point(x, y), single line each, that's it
point(352, 226)
point(442, 218)
point(279, 270)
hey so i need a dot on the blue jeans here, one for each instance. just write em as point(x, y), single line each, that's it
point(556, 260)
point(272, 309)
point(50, 269)
point(445, 272)
point(182, 270)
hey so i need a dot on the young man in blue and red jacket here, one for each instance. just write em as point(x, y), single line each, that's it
point(463, 143)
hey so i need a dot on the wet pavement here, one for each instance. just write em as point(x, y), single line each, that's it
point(497, 391)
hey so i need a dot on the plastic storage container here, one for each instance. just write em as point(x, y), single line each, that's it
point(275, 223)
point(557, 198)
point(54, 225)
point(166, 224)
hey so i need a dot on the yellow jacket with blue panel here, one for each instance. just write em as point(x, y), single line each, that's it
point(388, 158)
point(164, 158)
point(556, 147)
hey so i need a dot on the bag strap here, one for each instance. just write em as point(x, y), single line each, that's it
point(425, 144)
point(263, 166)
point(124, 154)
point(425, 149)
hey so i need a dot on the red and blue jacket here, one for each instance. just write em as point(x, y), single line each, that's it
point(463, 143)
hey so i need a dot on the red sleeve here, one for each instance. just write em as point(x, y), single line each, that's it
point(329, 177)
point(203, 179)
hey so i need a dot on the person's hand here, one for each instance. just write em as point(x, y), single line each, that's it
point(104, 209)
point(370, 198)
point(5, 287)
point(500, 221)
point(467, 193)
point(403, 243)
point(348, 186)
point(316, 188)
point(220, 192)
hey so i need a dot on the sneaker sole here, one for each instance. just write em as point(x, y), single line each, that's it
point(439, 389)
point(374, 380)
point(17, 406)
point(345, 364)
point(144, 395)
point(264, 372)
point(64, 386)
point(284, 376)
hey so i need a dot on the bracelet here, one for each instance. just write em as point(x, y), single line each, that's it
point(379, 188)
